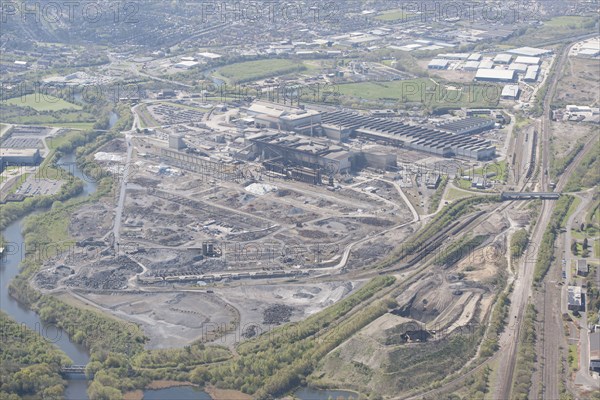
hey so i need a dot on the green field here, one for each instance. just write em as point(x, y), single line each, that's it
point(423, 91)
point(393, 15)
point(261, 69)
point(42, 103)
point(555, 29)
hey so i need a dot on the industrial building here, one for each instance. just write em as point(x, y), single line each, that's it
point(532, 73)
point(486, 64)
point(397, 134)
point(575, 299)
point(438, 63)
point(528, 60)
point(517, 67)
point(277, 116)
point(19, 157)
point(471, 66)
point(293, 150)
point(510, 92)
point(529, 51)
point(468, 126)
point(495, 75)
point(186, 64)
point(375, 156)
point(503, 59)
point(591, 53)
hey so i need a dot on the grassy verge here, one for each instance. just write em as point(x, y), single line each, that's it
point(587, 173)
point(546, 247)
point(526, 356)
point(434, 202)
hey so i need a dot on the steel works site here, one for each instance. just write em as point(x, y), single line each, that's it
point(383, 208)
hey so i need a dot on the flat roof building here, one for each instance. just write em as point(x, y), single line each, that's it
point(503, 59)
point(19, 157)
point(520, 68)
point(471, 66)
point(575, 300)
point(438, 63)
point(510, 92)
point(528, 60)
point(532, 73)
point(486, 64)
point(186, 64)
point(589, 53)
point(495, 75)
point(279, 116)
point(529, 51)
point(582, 267)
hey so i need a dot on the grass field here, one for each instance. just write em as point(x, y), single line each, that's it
point(261, 69)
point(42, 103)
point(393, 15)
point(455, 194)
point(555, 29)
point(82, 126)
point(423, 91)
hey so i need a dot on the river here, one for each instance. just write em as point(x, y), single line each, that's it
point(9, 269)
point(77, 387)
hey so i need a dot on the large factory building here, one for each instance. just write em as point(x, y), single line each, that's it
point(397, 134)
point(296, 150)
point(282, 117)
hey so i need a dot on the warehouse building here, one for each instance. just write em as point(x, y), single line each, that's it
point(495, 75)
point(519, 68)
point(392, 133)
point(532, 73)
point(486, 64)
point(503, 59)
point(589, 53)
point(528, 60)
point(510, 92)
point(471, 66)
point(468, 126)
point(438, 63)
point(19, 157)
point(530, 52)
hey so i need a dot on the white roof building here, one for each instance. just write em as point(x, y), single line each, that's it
point(522, 68)
point(471, 66)
point(495, 75)
point(529, 51)
point(503, 58)
point(511, 92)
point(528, 60)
